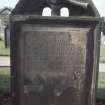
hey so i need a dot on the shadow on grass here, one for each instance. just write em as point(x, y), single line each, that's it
point(100, 97)
point(101, 94)
point(4, 86)
point(4, 83)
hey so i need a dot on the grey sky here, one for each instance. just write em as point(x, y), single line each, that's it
point(10, 3)
point(100, 4)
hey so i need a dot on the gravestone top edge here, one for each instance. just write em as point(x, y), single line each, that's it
point(17, 18)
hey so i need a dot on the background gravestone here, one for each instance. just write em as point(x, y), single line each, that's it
point(54, 59)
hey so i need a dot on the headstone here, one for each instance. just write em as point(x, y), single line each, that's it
point(7, 37)
point(54, 59)
point(76, 7)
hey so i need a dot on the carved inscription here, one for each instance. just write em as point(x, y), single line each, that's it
point(54, 65)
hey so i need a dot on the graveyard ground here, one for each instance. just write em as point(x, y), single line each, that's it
point(101, 86)
point(4, 51)
point(4, 79)
point(102, 53)
point(5, 87)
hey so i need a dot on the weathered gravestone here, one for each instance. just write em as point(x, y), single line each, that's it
point(54, 59)
point(7, 36)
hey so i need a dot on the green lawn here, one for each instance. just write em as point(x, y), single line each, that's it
point(102, 53)
point(101, 86)
point(3, 50)
point(4, 80)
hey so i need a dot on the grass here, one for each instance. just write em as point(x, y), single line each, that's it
point(101, 86)
point(102, 53)
point(4, 80)
point(3, 50)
